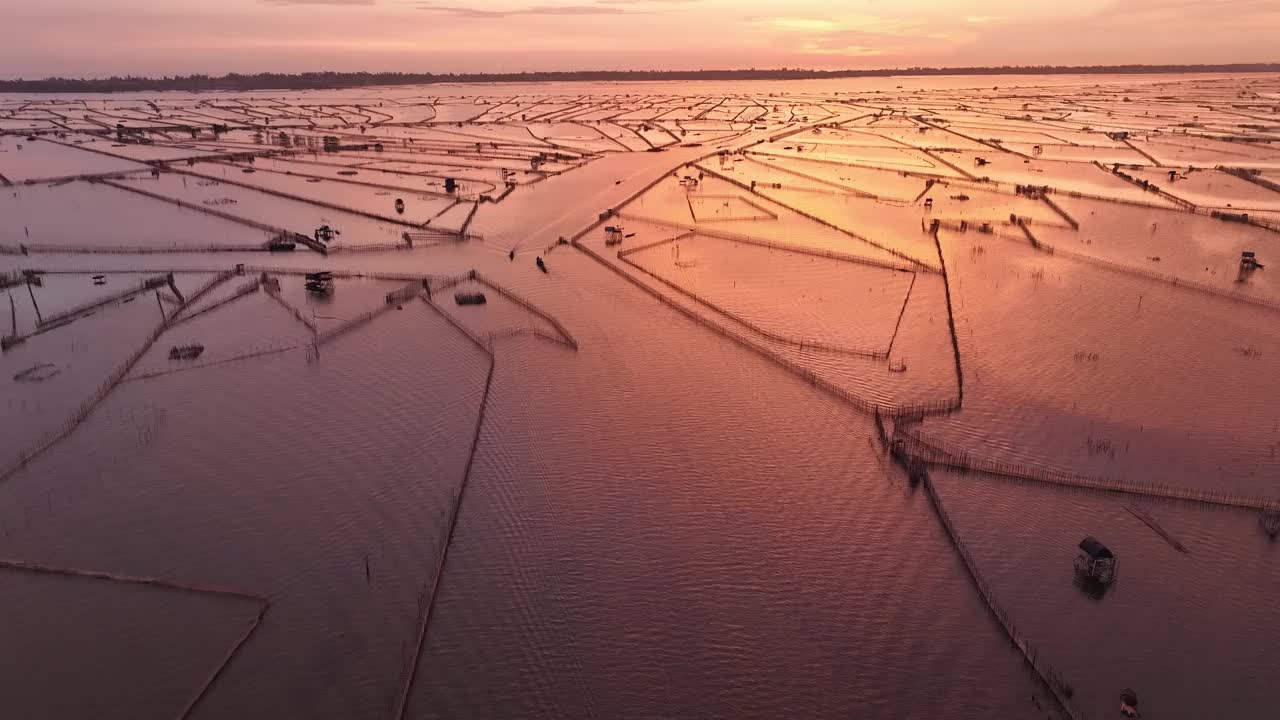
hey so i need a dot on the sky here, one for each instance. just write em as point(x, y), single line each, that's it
point(93, 38)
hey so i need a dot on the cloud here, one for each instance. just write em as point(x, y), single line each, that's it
point(800, 24)
point(535, 10)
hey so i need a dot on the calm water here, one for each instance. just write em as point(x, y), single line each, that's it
point(672, 520)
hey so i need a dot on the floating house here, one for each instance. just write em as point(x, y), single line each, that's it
point(320, 283)
point(325, 234)
point(1095, 562)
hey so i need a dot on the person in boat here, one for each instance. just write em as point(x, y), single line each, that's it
point(512, 255)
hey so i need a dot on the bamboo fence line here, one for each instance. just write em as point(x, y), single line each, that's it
point(273, 229)
point(224, 361)
point(1048, 675)
point(1149, 187)
point(656, 243)
point(616, 209)
point(949, 179)
point(412, 670)
point(297, 314)
point(841, 189)
point(339, 179)
point(59, 180)
point(767, 213)
point(206, 288)
point(798, 342)
point(1157, 528)
point(920, 409)
point(1075, 225)
point(962, 461)
point(466, 222)
point(226, 662)
point(915, 264)
point(951, 321)
point(475, 339)
point(952, 166)
point(448, 282)
point(41, 569)
point(263, 602)
point(404, 294)
point(1244, 174)
point(897, 326)
point(1142, 152)
point(373, 247)
point(341, 274)
point(296, 198)
point(560, 328)
point(535, 332)
point(770, 244)
point(299, 159)
point(69, 315)
point(1139, 273)
point(85, 408)
point(46, 249)
point(352, 324)
point(246, 289)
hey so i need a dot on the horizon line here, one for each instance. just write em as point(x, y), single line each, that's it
point(365, 78)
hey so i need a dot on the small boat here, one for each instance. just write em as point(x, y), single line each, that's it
point(185, 352)
point(470, 298)
point(541, 265)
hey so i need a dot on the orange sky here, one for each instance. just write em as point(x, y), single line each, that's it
point(100, 37)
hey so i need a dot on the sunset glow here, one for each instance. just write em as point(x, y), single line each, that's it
point(78, 37)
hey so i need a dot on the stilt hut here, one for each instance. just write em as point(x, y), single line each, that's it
point(319, 283)
point(1096, 562)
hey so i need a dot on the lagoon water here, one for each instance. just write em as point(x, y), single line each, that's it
point(648, 482)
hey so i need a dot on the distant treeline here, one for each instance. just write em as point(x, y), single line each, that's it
point(323, 80)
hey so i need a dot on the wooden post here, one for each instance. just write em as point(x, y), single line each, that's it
point(174, 287)
point(163, 317)
point(34, 304)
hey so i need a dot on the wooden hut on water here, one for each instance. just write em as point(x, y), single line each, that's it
point(319, 283)
point(1096, 562)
